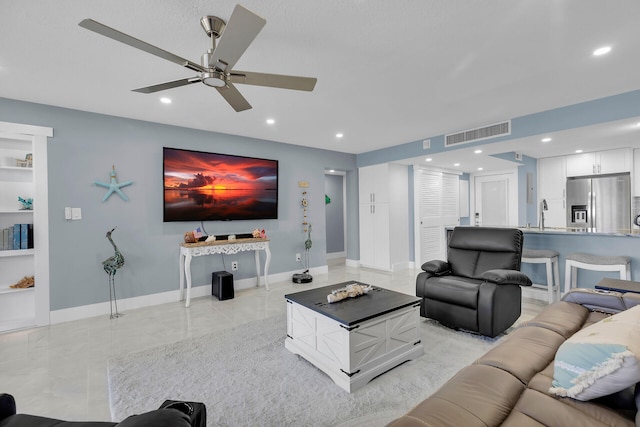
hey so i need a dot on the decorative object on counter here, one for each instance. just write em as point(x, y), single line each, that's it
point(352, 290)
point(27, 162)
point(25, 282)
point(111, 265)
point(27, 204)
point(211, 238)
point(197, 233)
point(189, 237)
point(259, 234)
point(114, 186)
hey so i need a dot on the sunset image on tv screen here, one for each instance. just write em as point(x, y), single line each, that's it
point(201, 186)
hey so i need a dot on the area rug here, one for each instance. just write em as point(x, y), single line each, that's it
point(246, 377)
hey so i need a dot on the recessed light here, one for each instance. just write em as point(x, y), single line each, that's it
point(546, 140)
point(270, 121)
point(165, 100)
point(456, 164)
point(480, 169)
point(578, 151)
point(602, 50)
point(428, 159)
point(478, 151)
point(339, 135)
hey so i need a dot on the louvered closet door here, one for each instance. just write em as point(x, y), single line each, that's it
point(438, 209)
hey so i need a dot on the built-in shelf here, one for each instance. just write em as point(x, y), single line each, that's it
point(17, 252)
point(17, 168)
point(8, 290)
point(24, 307)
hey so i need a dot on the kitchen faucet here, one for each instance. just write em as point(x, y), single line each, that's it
point(543, 207)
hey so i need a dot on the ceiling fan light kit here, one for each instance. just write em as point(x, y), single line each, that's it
point(217, 63)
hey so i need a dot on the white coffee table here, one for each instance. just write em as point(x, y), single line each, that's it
point(356, 339)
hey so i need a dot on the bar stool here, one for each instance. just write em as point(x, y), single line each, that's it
point(550, 258)
point(594, 263)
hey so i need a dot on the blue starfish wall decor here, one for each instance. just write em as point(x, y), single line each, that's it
point(114, 186)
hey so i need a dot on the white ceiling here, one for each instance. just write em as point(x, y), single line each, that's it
point(389, 72)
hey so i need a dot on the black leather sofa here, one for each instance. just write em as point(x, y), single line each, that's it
point(179, 415)
point(478, 287)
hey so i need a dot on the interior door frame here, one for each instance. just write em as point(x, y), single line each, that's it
point(512, 193)
point(343, 174)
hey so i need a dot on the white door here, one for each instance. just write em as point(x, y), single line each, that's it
point(437, 209)
point(496, 200)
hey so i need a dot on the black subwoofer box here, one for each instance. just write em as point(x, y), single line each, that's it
point(222, 285)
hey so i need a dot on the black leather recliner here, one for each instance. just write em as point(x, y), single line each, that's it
point(171, 414)
point(478, 288)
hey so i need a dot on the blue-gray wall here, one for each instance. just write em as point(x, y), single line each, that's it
point(86, 145)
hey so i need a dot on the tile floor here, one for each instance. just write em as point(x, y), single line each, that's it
point(60, 370)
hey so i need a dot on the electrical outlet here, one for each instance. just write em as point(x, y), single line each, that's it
point(234, 266)
point(298, 257)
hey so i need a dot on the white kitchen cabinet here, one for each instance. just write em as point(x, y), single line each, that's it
point(384, 212)
point(21, 308)
point(552, 184)
point(600, 162)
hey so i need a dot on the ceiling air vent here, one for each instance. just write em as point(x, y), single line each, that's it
point(471, 135)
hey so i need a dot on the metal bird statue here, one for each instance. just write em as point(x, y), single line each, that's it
point(111, 265)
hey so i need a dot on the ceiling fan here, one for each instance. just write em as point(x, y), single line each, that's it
point(217, 63)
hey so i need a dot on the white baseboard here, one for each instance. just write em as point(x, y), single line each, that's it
point(352, 262)
point(125, 304)
point(334, 255)
point(539, 294)
point(402, 265)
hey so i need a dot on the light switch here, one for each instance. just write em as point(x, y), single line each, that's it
point(67, 213)
point(76, 213)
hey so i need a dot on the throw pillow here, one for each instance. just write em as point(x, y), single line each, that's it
point(600, 359)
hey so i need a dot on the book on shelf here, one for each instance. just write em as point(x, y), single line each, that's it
point(17, 236)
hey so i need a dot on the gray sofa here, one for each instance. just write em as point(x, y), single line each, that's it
point(509, 385)
point(478, 287)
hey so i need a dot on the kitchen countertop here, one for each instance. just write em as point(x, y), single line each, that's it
point(581, 231)
point(574, 231)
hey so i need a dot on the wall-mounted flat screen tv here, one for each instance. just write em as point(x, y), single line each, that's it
point(200, 186)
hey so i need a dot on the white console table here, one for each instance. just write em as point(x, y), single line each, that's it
point(229, 247)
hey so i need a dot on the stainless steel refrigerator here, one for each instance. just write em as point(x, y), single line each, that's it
point(600, 203)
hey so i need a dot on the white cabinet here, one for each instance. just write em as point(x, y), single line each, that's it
point(384, 212)
point(374, 185)
point(21, 308)
point(552, 183)
point(600, 162)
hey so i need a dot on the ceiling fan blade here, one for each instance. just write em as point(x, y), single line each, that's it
point(121, 37)
point(234, 97)
point(240, 31)
point(273, 80)
point(168, 85)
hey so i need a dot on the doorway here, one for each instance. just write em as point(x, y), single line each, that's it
point(496, 200)
point(436, 208)
point(335, 214)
